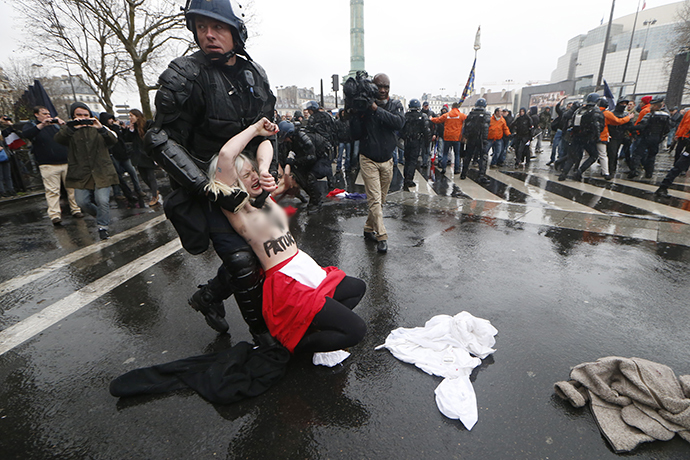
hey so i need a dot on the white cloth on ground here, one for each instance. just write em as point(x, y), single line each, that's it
point(329, 358)
point(444, 347)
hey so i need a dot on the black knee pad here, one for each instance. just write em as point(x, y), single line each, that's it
point(244, 268)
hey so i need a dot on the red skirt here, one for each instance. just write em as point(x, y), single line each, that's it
point(295, 290)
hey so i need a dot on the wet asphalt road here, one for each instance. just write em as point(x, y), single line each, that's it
point(558, 297)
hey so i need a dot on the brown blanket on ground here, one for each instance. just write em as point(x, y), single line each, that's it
point(633, 400)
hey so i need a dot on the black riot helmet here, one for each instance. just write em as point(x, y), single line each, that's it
point(415, 104)
point(592, 99)
point(220, 10)
point(285, 129)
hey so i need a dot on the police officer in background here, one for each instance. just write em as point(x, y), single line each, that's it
point(306, 152)
point(322, 123)
point(584, 131)
point(416, 134)
point(651, 130)
point(204, 100)
point(475, 131)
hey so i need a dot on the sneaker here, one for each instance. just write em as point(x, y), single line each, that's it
point(409, 183)
point(78, 215)
point(154, 201)
point(578, 175)
point(463, 176)
point(56, 221)
point(103, 233)
point(213, 310)
point(484, 180)
point(369, 236)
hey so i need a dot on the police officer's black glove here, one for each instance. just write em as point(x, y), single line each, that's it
point(290, 160)
point(233, 202)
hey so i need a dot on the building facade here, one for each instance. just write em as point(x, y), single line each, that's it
point(648, 65)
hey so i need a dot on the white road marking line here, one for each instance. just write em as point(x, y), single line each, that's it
point(47, 269)
point(37, 323)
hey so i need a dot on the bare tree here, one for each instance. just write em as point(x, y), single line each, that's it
point(111, 40)
point(145, 29)
point(67, 34)
point(107, 39)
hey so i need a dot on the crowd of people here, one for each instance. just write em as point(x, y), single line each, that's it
point(228, 155)
point(86, 160)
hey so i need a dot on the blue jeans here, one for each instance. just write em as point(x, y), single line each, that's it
point(354, 157)
point(129, 168)
point(343, 148)
point(457, 149)
point(101, 209)
point(556, 145)
point(497, 145)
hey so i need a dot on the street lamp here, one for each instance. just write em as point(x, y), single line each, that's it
point(648, 23)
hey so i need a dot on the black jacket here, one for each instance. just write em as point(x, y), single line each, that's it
point(45, 149)
point(375, 130)
point(522, 126)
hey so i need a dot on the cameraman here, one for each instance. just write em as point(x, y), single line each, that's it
point(52, 161)
point(375, 128)
point(90, 170)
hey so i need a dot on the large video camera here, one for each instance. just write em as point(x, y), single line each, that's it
point(360, 92)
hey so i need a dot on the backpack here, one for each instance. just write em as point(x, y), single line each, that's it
point(584, 124)
point(472, 128)
point(415, 125)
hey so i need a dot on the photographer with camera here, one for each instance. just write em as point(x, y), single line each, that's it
point(51, 158)
point(90, 170)
point(374, 120)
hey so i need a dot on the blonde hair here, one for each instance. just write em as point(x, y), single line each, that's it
point(216, 187)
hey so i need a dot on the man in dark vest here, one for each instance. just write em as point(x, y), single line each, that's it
point(204, 100)
point(416, 134)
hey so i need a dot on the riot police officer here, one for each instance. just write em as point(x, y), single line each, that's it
point(306, 152)
point(416, 134)
point(583, 132)
point(475, 131)
point(204, 100)
point(651, 130)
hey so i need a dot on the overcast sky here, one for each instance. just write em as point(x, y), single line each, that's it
point(423, 47)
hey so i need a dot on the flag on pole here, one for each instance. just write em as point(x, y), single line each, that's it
point(477, 44)
point(469, 87)
point(644, 5)
point(609, 96)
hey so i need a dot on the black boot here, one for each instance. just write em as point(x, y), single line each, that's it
point(210, 304)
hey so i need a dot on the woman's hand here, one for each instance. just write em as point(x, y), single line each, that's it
point(265, 128)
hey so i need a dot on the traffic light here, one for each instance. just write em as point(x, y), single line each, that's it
point(336, 86)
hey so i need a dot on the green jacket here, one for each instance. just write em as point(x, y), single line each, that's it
point(89, 164)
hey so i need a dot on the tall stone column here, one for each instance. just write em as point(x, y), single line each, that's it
point(356, 36)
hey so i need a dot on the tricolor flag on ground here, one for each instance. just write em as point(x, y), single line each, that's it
point(14, 142)
point(469, 87)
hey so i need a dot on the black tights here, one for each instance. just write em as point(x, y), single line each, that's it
point(336, 326)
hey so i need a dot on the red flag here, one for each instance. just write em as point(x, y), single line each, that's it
point(644, 5)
